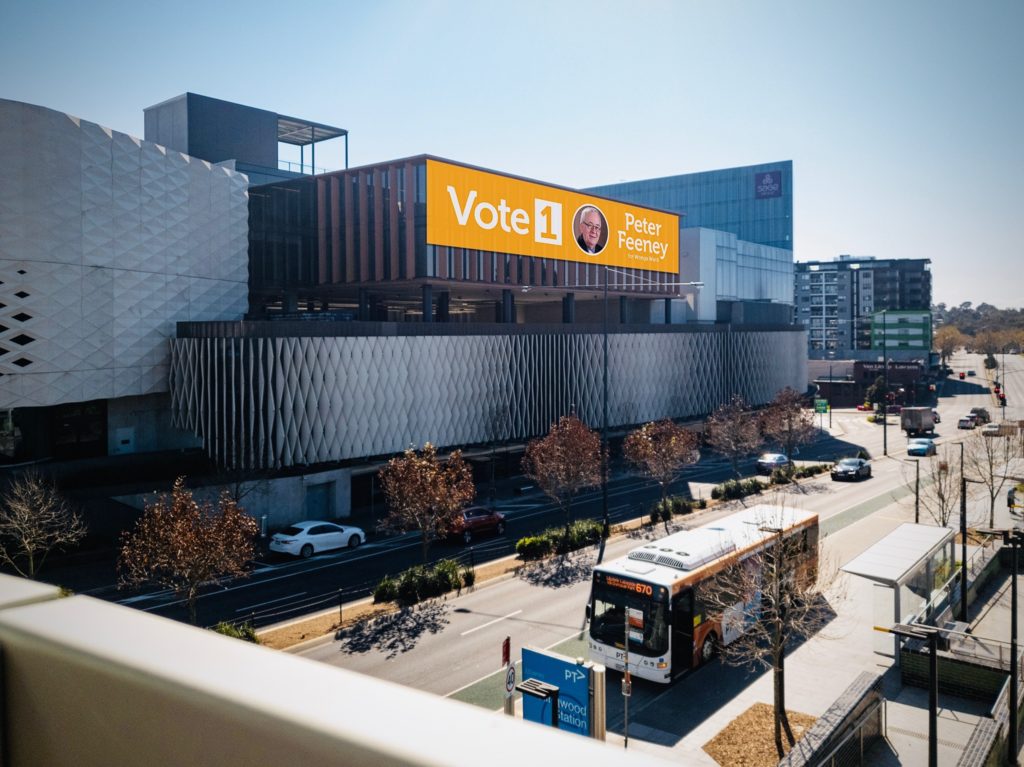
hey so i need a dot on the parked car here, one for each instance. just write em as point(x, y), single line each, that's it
point(769, 462)
point(477, 521)
point(851, 468)
point(971, 373)
point(304, 539)
point(965, 423)
point(991, 430)
point(921, 446)
point(961, 375)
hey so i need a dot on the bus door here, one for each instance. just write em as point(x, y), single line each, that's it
point(682, 632)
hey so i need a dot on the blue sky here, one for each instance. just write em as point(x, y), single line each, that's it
point(903, 119)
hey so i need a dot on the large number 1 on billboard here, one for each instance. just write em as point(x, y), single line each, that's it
point(470, 208)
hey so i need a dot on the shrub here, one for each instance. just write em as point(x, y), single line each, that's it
point(681, 505)
point(534, 546)
point(244, 631)
point(702, 503)
point(412, 585)
point(781, 476)
point(752, 487)
point(468, 577)
point(448, 576)
point(582, 532)
point(386, 591)
point(655, 515)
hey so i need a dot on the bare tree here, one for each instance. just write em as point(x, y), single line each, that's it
point(987, 459)
point(426, 493)
point(774, 597)
point(661, 450)
point(564, 462)
point(183, 545)
point(733, 431)
point(788, 422)
point(35, 519)
point(939, 491)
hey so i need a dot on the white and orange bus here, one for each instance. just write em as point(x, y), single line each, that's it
point(657, 588)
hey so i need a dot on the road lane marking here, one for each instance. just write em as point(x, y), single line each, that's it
point(270, 602)
point(490, 623)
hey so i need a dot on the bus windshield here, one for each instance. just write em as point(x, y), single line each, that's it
point(648, 622)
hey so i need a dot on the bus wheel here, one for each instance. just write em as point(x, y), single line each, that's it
point(709, 649)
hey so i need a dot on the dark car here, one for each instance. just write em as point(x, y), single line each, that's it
point(981, 414)
point(477, 521)
point(851, 468)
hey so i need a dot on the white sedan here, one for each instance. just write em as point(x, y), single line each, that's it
point(304, 539)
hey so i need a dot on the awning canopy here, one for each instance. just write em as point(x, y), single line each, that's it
point(292, 130)
point(898, 555)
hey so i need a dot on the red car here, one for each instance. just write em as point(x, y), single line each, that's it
point(477, 521)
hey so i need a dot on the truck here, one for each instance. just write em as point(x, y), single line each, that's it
point(917, 420)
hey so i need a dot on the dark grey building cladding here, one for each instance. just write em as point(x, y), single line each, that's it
point(278, 394)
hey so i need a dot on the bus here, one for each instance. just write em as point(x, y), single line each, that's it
point(657, 589)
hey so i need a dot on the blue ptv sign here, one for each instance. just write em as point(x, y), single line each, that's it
point(573, 683)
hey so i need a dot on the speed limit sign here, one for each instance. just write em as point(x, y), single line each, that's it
point(510, 679)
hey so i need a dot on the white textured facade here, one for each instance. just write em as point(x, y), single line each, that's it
point(106, 241)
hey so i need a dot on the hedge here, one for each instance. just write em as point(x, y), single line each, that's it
point(583, 532)
point(420, 582)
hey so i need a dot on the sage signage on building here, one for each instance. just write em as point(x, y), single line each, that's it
point(768, 184)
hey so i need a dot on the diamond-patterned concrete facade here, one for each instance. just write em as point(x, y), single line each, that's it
point(105, 242)
point(274, 402)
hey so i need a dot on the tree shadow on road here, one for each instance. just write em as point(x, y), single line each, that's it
point(560, 571)
point(394, 633)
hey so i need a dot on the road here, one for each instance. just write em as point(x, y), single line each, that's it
point(453, 647)
point(280, 588)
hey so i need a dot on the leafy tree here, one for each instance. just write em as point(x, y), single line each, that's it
point(878, 392)
point(788, 422)
point(776, 595)
point(182, 544)
point(661, 450)
point(947, 340)
point(564, 462)
point(426, 493)
point(34, 520)
point(987, 460)
point(733, 431)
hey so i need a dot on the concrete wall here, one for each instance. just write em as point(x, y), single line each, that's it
point(277, 503)
point(127, 688)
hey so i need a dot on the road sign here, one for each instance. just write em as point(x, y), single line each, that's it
point(573, 683)
point(510, 679)
point(821, 406)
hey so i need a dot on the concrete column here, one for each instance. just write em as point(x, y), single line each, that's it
point(428, 303)
point(444, 306)
point(623, 310)
point(364, 305)
point(569, 308)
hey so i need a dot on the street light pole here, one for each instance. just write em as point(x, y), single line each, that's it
point(604, 429)
point(830, 393)
point(931, 635)
point(885, 403)
point(963, 538)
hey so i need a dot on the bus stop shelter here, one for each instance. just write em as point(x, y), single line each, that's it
point(911, 569)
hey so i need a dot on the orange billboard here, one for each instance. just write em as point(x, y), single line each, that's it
point(470, 208)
